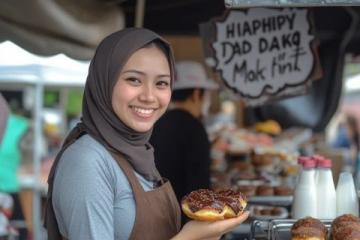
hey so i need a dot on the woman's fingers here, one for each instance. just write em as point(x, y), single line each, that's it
point(227, 225)
point(210, 230)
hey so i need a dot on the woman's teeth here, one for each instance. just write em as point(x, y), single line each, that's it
point(143, 111)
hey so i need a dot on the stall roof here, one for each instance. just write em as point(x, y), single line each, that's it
point(39, 74)
point(22, 67)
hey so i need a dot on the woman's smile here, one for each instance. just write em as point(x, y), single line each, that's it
point(143, 113)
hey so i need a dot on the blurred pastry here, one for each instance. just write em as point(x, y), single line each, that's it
point(248, 190)
point(265, 190)
point(260, 160)
point(283, 191)
point(276, 211)
point(270, 127)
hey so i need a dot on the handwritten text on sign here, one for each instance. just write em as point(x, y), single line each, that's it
point(264, 50)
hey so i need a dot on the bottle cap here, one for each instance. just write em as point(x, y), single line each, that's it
point(302, 159)
point(317, 158)
point(325, 163)
point(309, 163)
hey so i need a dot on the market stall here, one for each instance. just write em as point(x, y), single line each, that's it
point(24, 70)
point(264, 166)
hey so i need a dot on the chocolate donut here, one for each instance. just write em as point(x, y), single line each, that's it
point(308, 228)
point(207, 205)
point(348, 232)
point(346, 227)
point(343, 220)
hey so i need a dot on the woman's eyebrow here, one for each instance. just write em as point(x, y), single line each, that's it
point(164, 75)
point(134, 71)
point(142, 73)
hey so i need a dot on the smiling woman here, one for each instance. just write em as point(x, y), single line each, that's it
point(104, 183)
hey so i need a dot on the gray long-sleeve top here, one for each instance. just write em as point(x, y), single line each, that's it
point(92, 197)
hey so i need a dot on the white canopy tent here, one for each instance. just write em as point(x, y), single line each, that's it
point(352, 84)
point(19, 69)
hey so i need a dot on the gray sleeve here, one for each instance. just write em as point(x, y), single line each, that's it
point(83, 195)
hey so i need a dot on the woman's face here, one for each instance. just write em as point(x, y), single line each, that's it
point(142, 92)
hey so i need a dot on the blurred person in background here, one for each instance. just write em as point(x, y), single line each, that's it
point(182, 148)
point(352, 133)
point(6, 201)
point(341, 138)
point(352, 130)
point(347, 137)
point(10, 158)
point(4, 113)
point(6, 208)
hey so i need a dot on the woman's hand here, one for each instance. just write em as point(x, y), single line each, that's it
point(197, 230)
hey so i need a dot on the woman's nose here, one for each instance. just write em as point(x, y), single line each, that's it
point(147, 94)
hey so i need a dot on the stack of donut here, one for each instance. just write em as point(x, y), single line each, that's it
point(264, 190)
point(247, 190)
point(346, 227)
point(207, 205)
point(308, 229)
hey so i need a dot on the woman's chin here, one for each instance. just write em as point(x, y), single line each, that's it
point(142, 127)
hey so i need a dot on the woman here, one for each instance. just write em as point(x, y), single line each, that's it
point(104, 183)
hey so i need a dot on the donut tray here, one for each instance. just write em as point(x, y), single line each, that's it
point(278, 229)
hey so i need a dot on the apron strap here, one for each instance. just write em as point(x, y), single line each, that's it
point(128, 171)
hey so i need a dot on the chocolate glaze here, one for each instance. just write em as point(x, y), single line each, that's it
point(203, 199)
point(344, 230)
point(231, 198)
point(346, 218)
point(309, 222)
point(207, 199)
point(347, 233)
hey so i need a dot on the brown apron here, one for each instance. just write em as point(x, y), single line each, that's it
point(157, 211)
point(157, 216)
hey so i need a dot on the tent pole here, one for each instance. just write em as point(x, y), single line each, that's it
point(36, 211)
point(139, 15)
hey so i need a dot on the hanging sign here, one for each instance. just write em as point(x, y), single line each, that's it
point(264, 54)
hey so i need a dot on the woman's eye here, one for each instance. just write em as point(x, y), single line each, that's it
point(133, 80)
point(163, 84)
